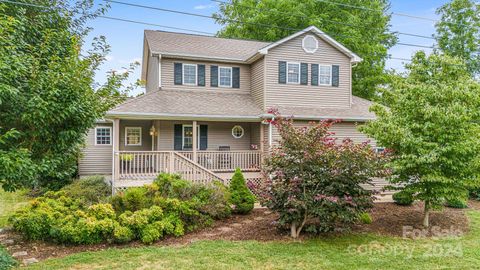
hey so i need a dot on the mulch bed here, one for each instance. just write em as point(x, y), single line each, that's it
point(388, 219)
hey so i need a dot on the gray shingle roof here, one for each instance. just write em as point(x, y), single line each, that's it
point(203, 104)
point(190, 103)
point(204, 46)
point(359, 110)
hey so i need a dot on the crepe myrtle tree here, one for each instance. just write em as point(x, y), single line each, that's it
point(314, 180)
point(431, 124)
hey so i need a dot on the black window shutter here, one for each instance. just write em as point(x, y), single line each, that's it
point(177, 73)
point(314, 74)
point(282, 72)
point(335, 75)
point(203, 137)
point(177, 145)
point(201, 75)
point(214, 76)
point(304, 73)
point(236, 77)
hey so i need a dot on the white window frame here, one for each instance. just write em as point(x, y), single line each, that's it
point(231, 77)
point(196, 74)
point(306, 49)
point(103, 127)
point(299, 71)
point(183, 136)
point(126, 136)
point(331, 68)
point(243, 131)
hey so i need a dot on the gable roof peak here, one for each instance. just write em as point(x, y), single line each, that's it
point(313, 29)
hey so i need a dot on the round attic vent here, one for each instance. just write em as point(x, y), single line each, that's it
point(310, 44)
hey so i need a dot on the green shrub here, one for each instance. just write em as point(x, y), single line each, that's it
point(6, 261)
point(403, 198)
point(89, 190)
point(365, 218)
point(210, 199)
point(241, 198)
point(145, 213)
point(132, 199)
point(457, 202)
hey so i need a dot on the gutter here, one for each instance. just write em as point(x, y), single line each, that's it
point(313, 117)
point(170, 116)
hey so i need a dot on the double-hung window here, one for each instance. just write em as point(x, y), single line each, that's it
point(190, 74)
point(225, 76)
point(325, 75)
point(103, 136)
point(133, 136)
point(187, 137)
point(293, 73)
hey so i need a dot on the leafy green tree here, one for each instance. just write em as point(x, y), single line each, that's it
point(363, 31)
point(431, 125)
point(458, 32)
point(47, 96)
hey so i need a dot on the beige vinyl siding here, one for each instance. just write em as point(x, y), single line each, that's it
point(258, 83)
point(167, 66)
point(255, 137)
point(343, 130)
point(307, 95)
point(152, 73)
point(146, 138)
point(219, 134)
point(95, 159)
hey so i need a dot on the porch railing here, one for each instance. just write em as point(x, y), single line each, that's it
point(139, 165)
point(226, 161)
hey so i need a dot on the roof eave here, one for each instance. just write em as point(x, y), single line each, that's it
point(316, 117)
point(200, 57)
point(171, 116)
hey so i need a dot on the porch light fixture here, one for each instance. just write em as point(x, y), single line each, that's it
point(153, 131)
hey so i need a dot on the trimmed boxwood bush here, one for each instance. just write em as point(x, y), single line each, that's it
point(169, 206)
point(89, 190)
point(241, 198)
point(403, 198)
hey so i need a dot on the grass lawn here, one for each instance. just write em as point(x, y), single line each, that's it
point(9, 202)
point(344, 252)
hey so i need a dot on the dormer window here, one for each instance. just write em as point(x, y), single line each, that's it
point(293, 73)
point(225, 76)
point(189, 74)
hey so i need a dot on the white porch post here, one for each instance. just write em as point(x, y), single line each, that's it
point(116, 148)
point(194, 143)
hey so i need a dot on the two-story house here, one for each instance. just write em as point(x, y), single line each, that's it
point(206, 102)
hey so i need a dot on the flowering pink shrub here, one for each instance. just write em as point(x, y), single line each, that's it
point(315, 181)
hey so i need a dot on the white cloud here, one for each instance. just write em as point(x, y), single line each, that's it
point(204, 6)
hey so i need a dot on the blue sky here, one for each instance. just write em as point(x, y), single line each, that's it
point(126, 39)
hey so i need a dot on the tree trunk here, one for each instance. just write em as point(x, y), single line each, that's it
point(293, 230)
point(426, 215)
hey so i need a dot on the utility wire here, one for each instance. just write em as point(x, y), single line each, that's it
point(145, 23)
point(323, 19)
point(236, 21)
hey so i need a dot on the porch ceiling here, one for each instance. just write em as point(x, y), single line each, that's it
point(193, 105)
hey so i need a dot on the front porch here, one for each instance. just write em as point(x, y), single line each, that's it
point(145, 148)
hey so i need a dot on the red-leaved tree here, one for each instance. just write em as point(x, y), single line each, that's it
point(316, 182)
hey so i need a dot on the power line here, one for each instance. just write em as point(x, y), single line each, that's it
point(232, 20)
point(323, 19)
point(158, 25)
